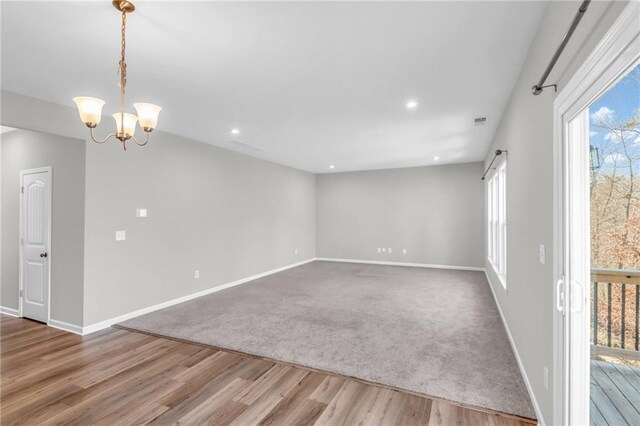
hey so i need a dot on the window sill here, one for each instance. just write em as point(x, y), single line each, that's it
point(501, 277)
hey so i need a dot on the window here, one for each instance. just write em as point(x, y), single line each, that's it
point(497, 222)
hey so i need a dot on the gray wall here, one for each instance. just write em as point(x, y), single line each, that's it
point(435, 212)
point(228, 215)
point(526, 131)
point(27, 150)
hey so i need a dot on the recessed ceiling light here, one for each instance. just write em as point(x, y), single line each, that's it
point(332, 166)
point(411, 105)
point(436, 158)
point(235, 131)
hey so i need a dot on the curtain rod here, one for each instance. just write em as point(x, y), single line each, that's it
point(498, 153)
point(538, 88)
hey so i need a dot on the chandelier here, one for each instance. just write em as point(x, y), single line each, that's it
point(90, 109)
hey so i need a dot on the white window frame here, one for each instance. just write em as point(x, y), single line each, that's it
point(497, 221)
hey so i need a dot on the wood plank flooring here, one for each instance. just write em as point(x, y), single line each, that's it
point(118, 377)
point(615, 394)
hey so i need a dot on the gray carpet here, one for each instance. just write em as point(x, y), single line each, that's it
point(431, 331)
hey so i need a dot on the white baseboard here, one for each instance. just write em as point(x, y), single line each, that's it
point(108, 323)
point(65, 326)
point(9, 311)
point(417, 265)
point(527, 383)
point(72, 328)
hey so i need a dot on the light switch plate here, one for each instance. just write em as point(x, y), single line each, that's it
point(142, 213)
point(543, 254)
point(545, 377)
point(121, 235)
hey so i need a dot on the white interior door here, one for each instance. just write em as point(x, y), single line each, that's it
point(35, 242)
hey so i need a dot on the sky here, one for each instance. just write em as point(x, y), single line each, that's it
point(617, 105)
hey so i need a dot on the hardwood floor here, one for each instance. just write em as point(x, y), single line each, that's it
point(118, 377)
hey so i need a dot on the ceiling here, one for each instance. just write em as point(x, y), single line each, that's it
point(308, 84)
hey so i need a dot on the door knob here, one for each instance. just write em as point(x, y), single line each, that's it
point(43, 254)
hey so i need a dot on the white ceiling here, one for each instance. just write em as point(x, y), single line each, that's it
point(308, 84)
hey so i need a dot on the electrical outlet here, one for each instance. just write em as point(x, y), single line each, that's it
point(141, 213)
point(196, 274)
point(404, 251)
point(389, 250)
point(545, 377)
point(379, 250)
point(542, 254)
point(121, 235)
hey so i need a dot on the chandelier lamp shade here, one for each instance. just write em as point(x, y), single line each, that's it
point(90, 109)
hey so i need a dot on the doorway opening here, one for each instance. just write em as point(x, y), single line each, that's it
point(597, 234)
point(614, 193)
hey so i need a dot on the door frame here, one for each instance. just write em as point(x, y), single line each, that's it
point(617, 52)
point(24, 172)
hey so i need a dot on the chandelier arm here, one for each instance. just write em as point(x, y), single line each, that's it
point(97, 140)
point(146, 140)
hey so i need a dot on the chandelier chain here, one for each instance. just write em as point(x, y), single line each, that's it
point(123, 64)
point(123, 71)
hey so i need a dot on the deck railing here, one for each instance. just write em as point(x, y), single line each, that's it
point(616, 311)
